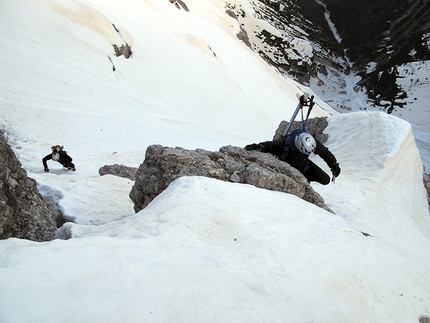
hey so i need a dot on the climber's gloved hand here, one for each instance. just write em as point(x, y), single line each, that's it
point(254, 147)
point(335, 169)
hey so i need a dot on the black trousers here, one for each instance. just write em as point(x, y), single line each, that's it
point(315, 174)
point(68, 164)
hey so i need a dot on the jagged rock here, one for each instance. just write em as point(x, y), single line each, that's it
point(123, 50)
point(119, 170)
point(179, 4)
point(24, 213)
point(424, 319)
point(315, 126)
point(426, 180)
point(162, 165)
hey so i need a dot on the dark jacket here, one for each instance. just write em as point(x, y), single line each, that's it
point(63, 160)
point(294, 157)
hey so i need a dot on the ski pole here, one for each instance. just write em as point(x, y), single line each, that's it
point(303, 123)
point(302, 101)
point(311, 105)
point(299, 106)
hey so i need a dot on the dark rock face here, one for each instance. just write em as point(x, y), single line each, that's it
point(426, 180)
point(179, 4)
point(162, 165)
point(119, 170)
point(24, 213)
point(387, 32)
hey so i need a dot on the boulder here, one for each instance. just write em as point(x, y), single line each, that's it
point(315, 126)
point(424, 319)
point(123, 50)
point(162, 165)
point(119, 170)
point(24, 213)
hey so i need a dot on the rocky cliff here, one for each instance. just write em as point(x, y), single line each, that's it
point(24, 213)
point(294, 37)
point(319, 43)
point(379, 36)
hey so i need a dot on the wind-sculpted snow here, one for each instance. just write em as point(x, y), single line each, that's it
point(379, 150)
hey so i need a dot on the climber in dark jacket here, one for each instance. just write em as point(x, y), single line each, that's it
point(59, 155)
point(295, 150)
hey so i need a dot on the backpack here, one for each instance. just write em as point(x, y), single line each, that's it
point(289, 142)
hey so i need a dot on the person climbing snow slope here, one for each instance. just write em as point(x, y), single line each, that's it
point(295, 150)
point(59, 155)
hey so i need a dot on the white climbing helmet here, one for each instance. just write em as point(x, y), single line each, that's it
point(305, 143)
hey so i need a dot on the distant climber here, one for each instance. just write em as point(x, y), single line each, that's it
point(295, 150)
point(59, 155)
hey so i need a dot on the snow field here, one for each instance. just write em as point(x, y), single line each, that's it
point(203, 250)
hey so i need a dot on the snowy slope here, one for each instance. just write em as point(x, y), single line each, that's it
point(203, 250)
point(157, 83)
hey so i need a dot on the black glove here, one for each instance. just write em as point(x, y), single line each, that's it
point(47, 169)
point(254, 147)
point(335, 169)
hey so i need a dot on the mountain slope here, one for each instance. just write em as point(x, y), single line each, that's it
point(203, 250)
point(354, 55)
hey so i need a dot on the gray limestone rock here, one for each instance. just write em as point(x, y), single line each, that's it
point(162, 165)
point(24, 213)
point(118, 170)
point(315, 126)
point(426, 180)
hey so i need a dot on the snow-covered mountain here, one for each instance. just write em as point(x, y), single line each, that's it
point(203, 250)
point(379, 38)
point(298, 40)
point(388, 42)
point(355, 55)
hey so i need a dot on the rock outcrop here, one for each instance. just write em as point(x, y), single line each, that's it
point(315, 126)
point(162, 165)
point(179, 4)
point(123, 50)
point(119, 170)
point(24, 213)
point(426, 180)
